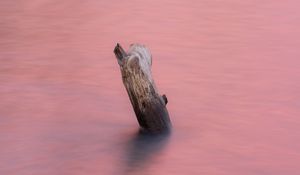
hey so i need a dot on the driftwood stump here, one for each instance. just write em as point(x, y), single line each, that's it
point(149, 106)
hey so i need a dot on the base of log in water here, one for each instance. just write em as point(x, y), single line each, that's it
point(149, 106)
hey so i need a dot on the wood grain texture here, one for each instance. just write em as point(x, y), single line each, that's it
point(149, 106)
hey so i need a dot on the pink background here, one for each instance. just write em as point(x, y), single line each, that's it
point(230, 70)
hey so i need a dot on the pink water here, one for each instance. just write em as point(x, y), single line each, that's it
point(230, 70)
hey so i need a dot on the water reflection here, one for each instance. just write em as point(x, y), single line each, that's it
point(142, 149)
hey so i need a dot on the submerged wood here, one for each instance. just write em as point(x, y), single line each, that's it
point(149, 106)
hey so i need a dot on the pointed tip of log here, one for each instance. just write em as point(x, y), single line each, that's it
point(120, 53)
point(118, 45)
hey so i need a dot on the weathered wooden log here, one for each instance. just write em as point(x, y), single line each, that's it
point(149, 106)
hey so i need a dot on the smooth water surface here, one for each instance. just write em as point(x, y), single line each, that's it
point(230, 70)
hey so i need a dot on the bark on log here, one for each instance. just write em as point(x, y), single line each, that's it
point(149, 106)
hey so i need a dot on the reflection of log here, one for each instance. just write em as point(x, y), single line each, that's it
point(149, 106)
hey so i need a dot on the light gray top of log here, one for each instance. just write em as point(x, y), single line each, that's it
point(138, 54)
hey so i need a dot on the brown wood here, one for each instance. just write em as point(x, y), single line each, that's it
point(149, 106)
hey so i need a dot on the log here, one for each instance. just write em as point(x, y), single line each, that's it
point(149, 107)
